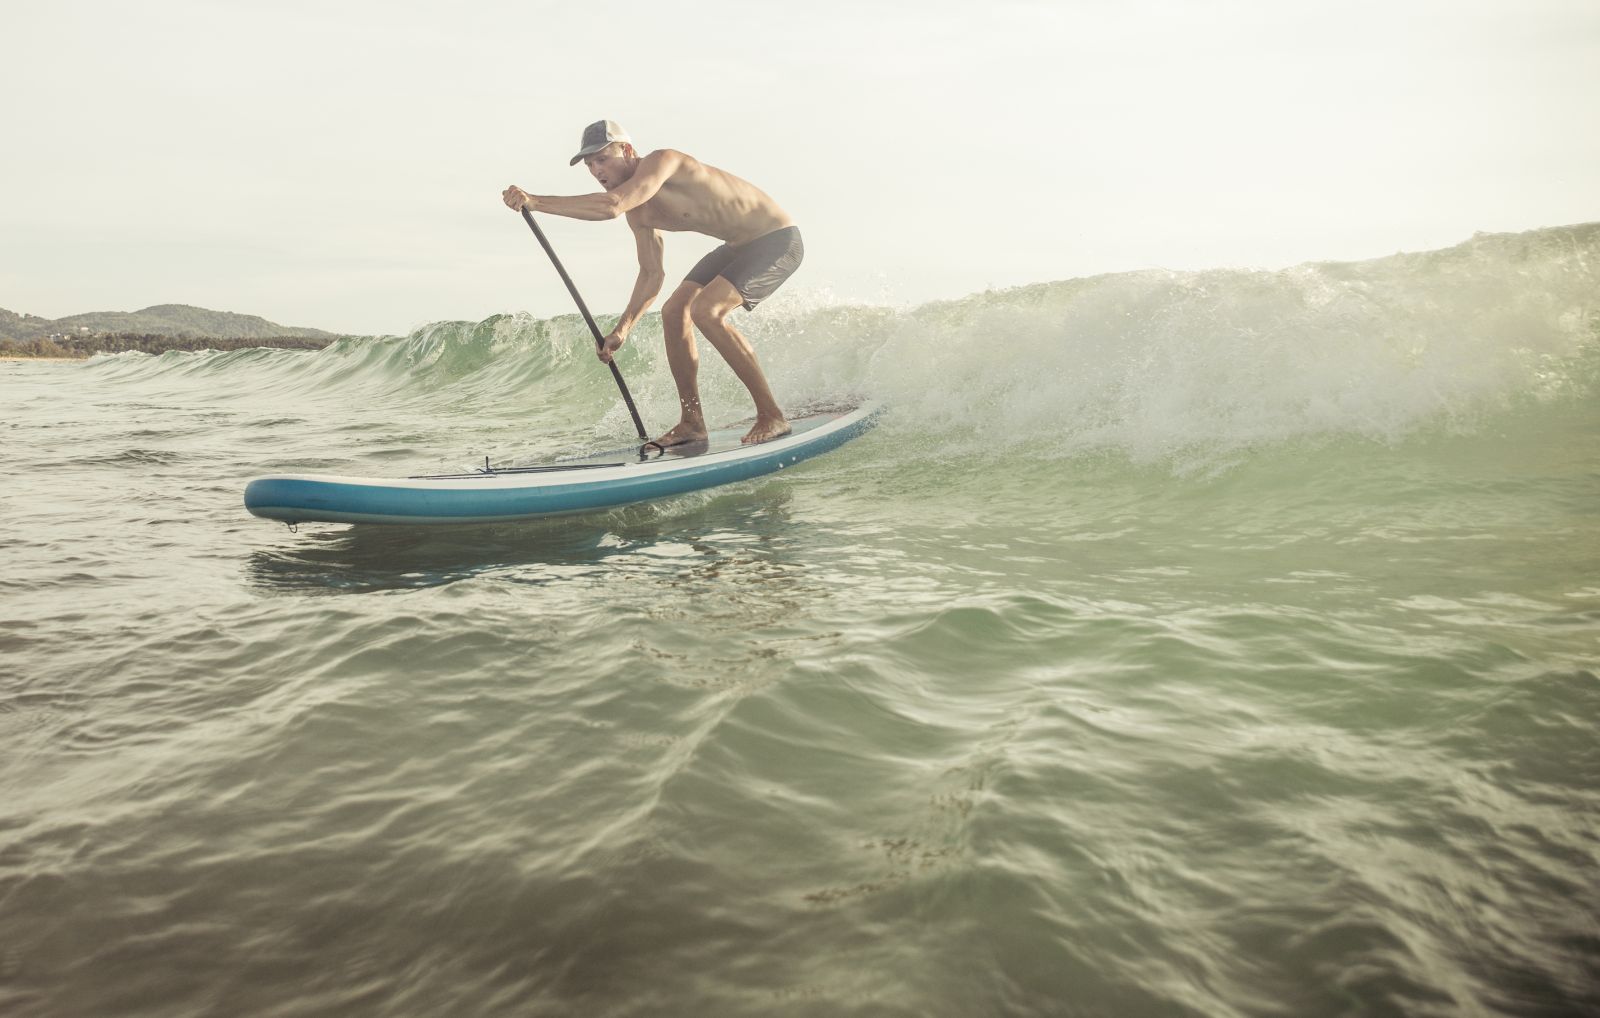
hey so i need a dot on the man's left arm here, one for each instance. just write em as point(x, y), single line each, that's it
point(653, 171)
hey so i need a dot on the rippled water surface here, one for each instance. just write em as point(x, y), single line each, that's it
point(1179, 644)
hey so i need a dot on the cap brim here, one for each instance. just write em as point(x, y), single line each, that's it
point(587, 151)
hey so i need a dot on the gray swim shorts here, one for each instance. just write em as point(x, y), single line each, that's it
point(756, 268)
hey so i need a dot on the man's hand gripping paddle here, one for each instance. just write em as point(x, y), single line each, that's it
point(599, 340)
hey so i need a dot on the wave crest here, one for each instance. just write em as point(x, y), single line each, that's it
point(1149, 364)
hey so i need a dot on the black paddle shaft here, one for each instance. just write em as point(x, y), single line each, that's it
point(599, 339)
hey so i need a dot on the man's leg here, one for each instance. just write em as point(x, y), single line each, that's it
point(678, 337)
point(710, 309)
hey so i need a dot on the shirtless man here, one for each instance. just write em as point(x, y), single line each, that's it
point(670, 190)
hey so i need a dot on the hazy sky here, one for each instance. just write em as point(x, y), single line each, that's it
point(339, 164)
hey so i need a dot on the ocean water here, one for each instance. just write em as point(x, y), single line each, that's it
point(1217, 643)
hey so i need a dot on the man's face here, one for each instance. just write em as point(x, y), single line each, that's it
point(610, 166)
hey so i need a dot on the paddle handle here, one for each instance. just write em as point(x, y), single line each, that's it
point(599, 338)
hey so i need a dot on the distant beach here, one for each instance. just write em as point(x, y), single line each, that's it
point(86, 347)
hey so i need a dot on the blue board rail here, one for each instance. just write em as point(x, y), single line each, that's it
point(556, 489)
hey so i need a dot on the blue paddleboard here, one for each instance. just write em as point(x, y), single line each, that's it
point(498, 494)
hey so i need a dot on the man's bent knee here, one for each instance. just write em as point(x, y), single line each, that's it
point(706, 313)
point(675, 310)
point(678, 304)
point(709, 308)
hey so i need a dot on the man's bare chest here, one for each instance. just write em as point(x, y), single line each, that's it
point(671, 210)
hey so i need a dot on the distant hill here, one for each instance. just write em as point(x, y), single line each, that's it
point(159, 320)
point(23, 326)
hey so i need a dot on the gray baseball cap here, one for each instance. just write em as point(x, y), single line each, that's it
point(597, 136)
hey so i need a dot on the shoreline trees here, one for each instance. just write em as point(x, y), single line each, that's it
point(83, 347)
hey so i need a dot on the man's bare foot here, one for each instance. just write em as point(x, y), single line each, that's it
point(766, 429)
point(682, 433)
